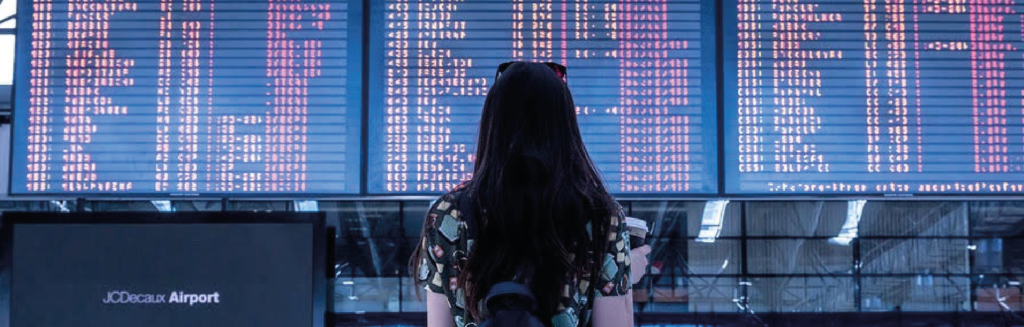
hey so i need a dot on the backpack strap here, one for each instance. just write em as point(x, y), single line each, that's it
point(510, 289)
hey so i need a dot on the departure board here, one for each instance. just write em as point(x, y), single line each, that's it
point(642, 74)
point(886, 97)
point(188, 97)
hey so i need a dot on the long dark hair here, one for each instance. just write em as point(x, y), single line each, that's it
point(535, 190)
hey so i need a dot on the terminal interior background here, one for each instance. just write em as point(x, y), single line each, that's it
point(958, 261)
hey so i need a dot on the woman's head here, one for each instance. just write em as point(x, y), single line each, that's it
point(529, 119)
point(535, 188)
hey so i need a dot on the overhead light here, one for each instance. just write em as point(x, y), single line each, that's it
point(348, 283)
point(850, 231)
point(711, 221)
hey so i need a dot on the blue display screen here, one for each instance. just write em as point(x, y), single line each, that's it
point(206, 97)
point(873, 97)
point(188, 97)
point(642, 76)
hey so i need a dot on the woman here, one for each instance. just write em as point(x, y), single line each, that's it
point(528, 214)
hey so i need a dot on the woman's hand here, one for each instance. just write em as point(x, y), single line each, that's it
point(638, 262)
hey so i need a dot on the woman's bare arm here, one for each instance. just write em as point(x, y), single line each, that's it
point(438, 312)
point(614, 311)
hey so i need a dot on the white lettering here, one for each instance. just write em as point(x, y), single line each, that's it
point(125, 297)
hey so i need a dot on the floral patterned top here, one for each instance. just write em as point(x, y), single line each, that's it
point(446, 242)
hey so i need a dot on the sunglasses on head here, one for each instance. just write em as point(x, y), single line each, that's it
point(557, 68)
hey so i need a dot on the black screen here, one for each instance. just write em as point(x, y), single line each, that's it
point(155, 275)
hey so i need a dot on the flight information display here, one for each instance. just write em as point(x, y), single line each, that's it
point(188, 97)
point(874, 97)
point(642, 74)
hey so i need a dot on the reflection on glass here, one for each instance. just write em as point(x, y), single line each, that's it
point(666, 219)
point(798, 256)
point(801, 294)
point(721, 257)
point(914, 256)
point(1000, 294)
point(914, 219)
point(364, 219)
point(800, 219)
point(688, 294)
point(997, 218)
point(923, 293)
point(367, 295)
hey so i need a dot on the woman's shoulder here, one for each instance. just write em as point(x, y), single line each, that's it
point(451, 199)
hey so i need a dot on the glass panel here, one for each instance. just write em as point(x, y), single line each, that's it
point(196, 205)
point(260, 206)
point(997, 218)
point(364, 219)
point(412, 301)
point(795, 218)
point(367, 295)
point(405, 253)
point(924, 293)
point(914, 256)
point(373, 257)
point(907, 219)
point(720, 257)
point(676, 258)
point(41, 206)
point(999, 256)
point(798, 256)
point(683, 219)
point(666, 219)
point(413, 214)
point(680, 294)
point(711, 294)
point(1000, 294)
point(802, 294)
point(662, 294)
point(145, 206)
point(1013, 256)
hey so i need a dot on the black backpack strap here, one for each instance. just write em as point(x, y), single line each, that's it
point(510, 289)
